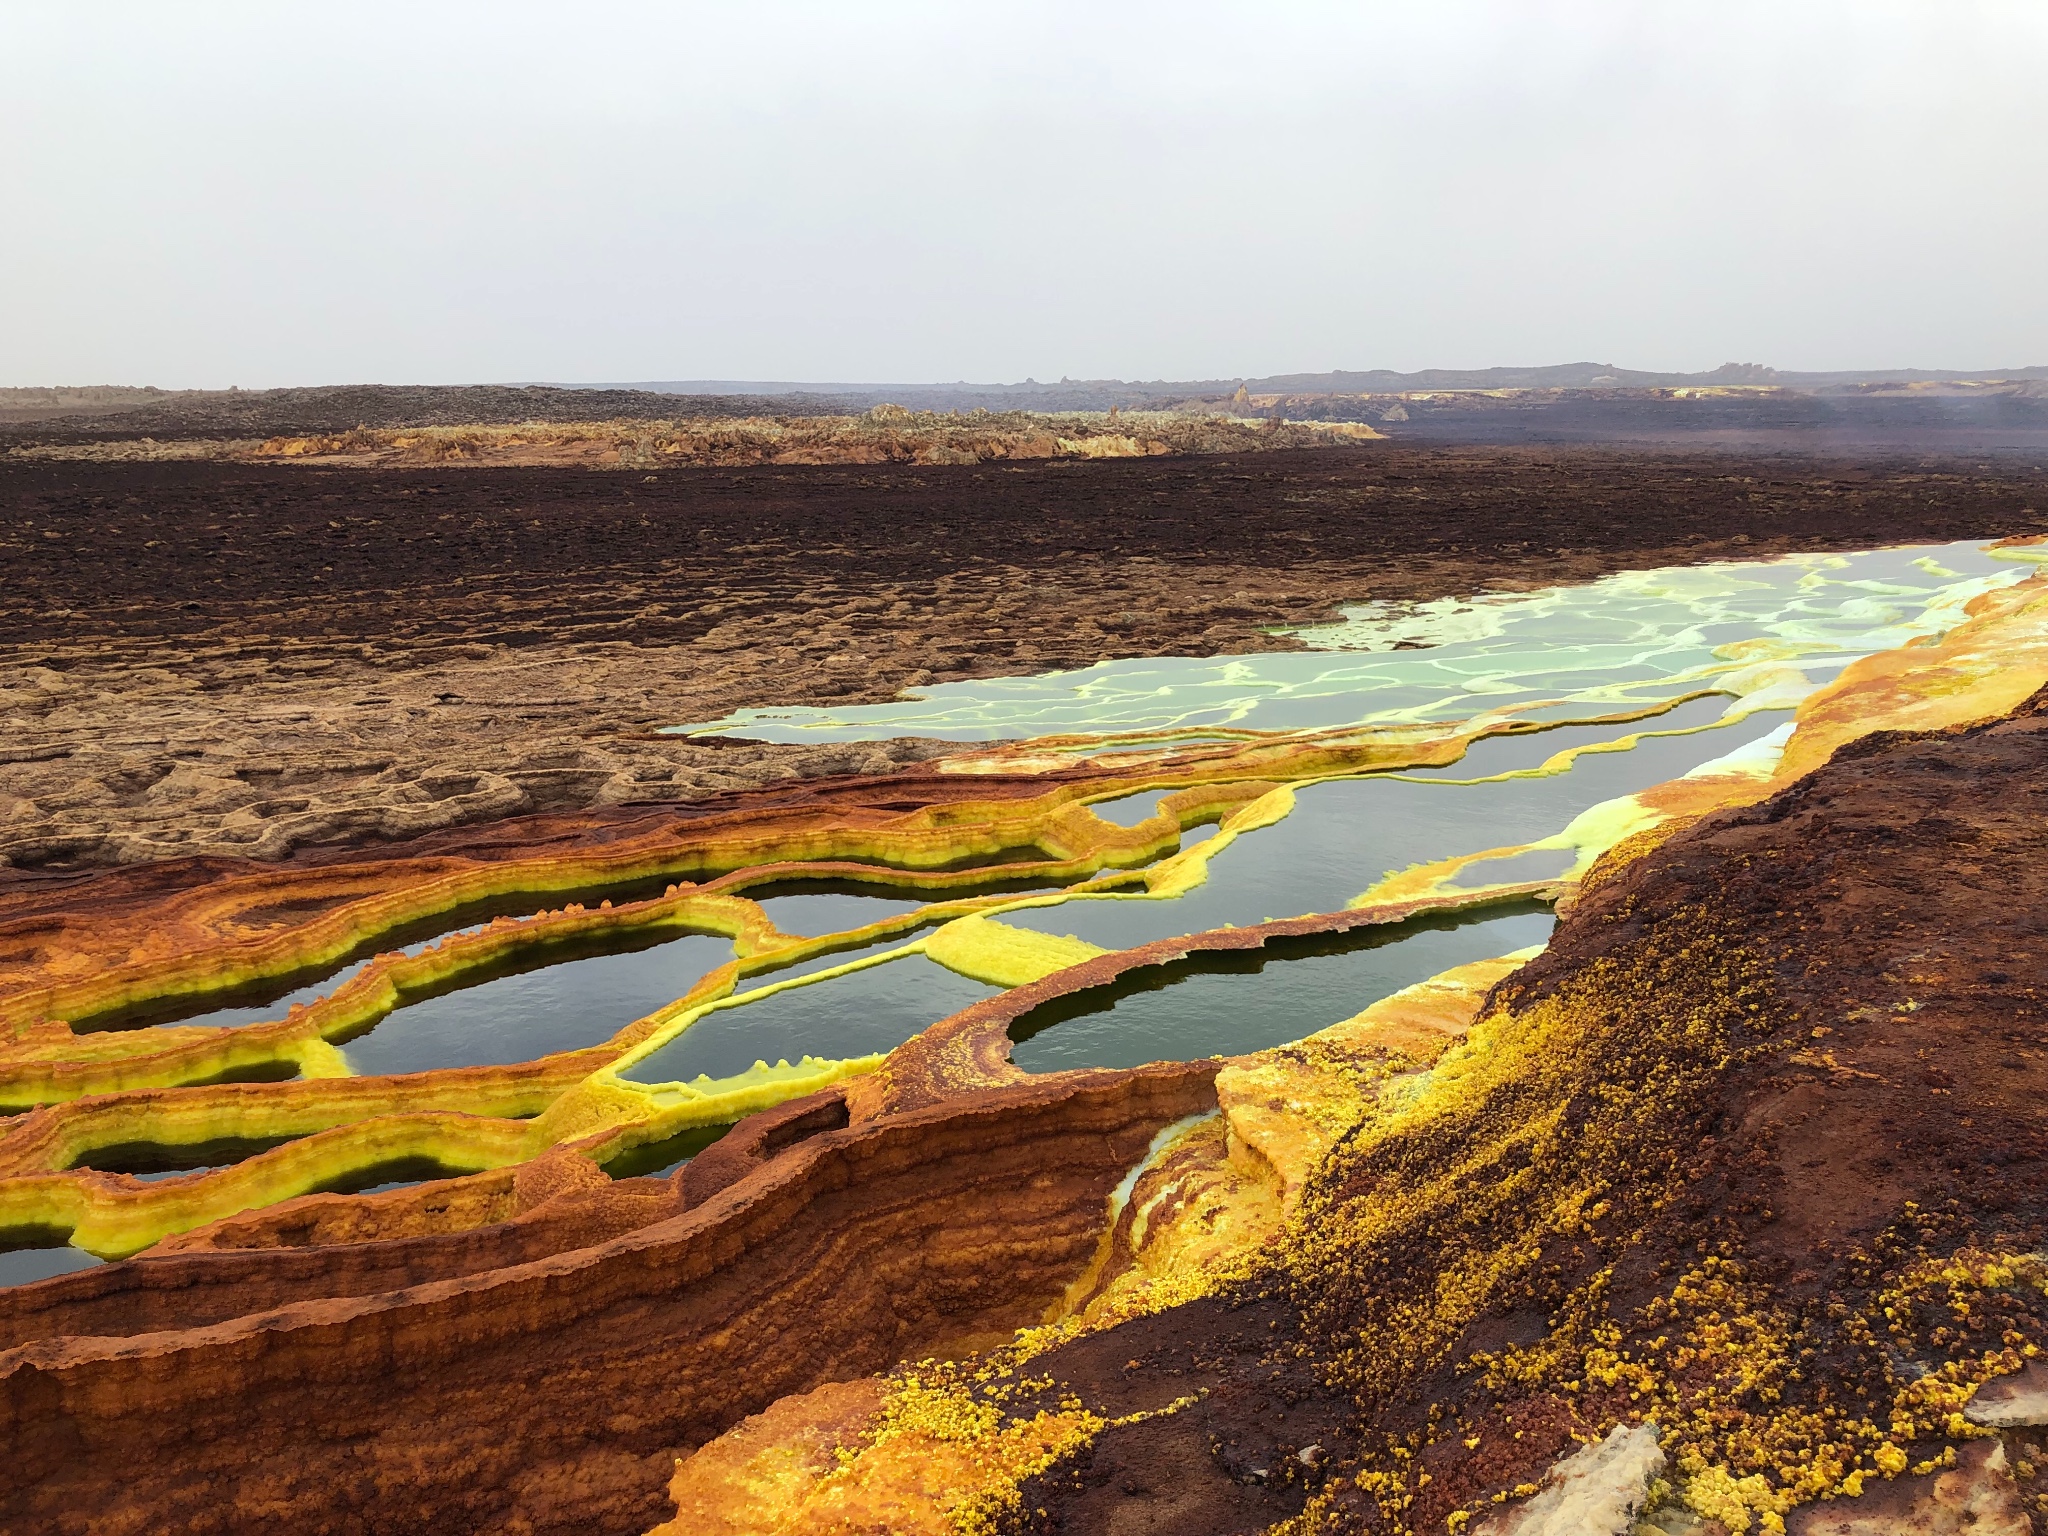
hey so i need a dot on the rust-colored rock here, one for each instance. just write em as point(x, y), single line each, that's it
point(559, 1389)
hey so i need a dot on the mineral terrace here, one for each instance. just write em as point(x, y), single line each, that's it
point(904, 972)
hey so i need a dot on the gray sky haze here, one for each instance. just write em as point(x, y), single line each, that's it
point(202, 194)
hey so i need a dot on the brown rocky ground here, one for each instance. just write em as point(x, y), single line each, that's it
point(112, 413)
point(886, 434)
point(1738, 405)
point(226, 659)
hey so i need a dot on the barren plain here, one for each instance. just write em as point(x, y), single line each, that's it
point(238, 660)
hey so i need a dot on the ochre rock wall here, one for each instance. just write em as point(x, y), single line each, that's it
point(561, 1388)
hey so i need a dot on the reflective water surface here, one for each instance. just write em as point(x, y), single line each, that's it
point(875, 1009)
point(1225, 1004)
point(35, 1254)
point(534, 1012)
point(1635, 634)
point(1344, 835)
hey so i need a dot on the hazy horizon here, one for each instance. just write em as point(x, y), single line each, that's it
point(223, 193)
point(770, 386)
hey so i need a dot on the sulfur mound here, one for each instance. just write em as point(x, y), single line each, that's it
point(1754, 1152)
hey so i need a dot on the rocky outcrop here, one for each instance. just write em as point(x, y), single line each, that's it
point(1596, 1491)
point(1975, 1497)
point(2012, 1402)
point(561, 1388)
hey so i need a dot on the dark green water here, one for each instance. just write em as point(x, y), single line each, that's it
point(262, 1003)
point(519, 1015)
point(1230, 1003)
point(823, 962)
point(658, 1159)
point(155, 1160)
point(814, 908)
point(876, 1009)
point(1344, 835)
point(35, 1253)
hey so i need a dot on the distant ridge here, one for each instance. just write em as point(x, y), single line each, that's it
point(1372, 381)
point(1922, 409)
point(1606, 375)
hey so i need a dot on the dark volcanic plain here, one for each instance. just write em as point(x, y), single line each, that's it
point(224, 659)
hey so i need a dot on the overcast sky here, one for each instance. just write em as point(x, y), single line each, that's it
point(201, 194)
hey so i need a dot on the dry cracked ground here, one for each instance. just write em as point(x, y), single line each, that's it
point(254, 660)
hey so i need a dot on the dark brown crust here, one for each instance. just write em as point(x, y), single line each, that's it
point(224, 659)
